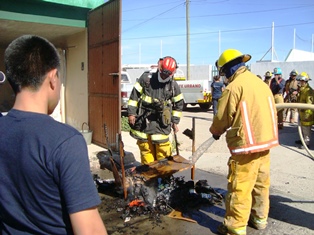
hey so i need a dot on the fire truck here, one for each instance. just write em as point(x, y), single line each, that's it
point(195, 92)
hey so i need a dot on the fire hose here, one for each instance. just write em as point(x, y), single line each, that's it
point(298, 106)
point(207, 143)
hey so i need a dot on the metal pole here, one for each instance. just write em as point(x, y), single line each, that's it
point(219, 44)
point(294, 39)
point(312, 41)
point(139, 54)
point(193, 148)
point(272, 41)
point(187, 2)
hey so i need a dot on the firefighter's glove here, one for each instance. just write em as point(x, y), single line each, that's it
point(216, 137)
point(166, 116)
point(131, 120)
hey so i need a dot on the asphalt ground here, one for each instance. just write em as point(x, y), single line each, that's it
point(292, 181)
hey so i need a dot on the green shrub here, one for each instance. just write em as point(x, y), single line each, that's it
point(125, 124)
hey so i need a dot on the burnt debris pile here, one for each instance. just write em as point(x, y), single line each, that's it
point(160, 196)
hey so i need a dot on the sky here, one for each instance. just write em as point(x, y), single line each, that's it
point(156, 28)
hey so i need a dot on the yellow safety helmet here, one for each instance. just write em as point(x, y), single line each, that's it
point(268, 74)
point(303, 77)
point(230, 55)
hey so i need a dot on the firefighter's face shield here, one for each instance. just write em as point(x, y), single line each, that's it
point(165, 73)
point(221, 71)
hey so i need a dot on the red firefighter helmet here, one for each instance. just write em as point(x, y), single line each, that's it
point(167, 65)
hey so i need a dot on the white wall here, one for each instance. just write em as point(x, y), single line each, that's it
point(76, 88)
point(198, 72)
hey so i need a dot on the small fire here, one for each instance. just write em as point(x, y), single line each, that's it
point(136, 202)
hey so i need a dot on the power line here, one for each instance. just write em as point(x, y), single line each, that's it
point(151, 6)
point(137, 25)
point(304, 40)
point(222, 31)
point(229, 14)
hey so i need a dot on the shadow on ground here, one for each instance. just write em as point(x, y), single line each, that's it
point(284, 209)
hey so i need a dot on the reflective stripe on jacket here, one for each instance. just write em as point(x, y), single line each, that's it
point(246, 110)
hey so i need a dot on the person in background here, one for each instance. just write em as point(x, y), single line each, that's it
point(248, 116)
point(155, 106)
point(46, 186)
point(291, 93)
point(267, 77)
point(217, 88)
point(277, 86)
point(306, 96)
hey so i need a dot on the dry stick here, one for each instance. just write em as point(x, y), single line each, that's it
point(176, 140)
point(122, 166)
point(113, 165)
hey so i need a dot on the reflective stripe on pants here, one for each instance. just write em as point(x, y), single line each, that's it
point(248, 189)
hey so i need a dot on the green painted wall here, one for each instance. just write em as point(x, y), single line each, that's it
point(79, 3)
point(59, 12)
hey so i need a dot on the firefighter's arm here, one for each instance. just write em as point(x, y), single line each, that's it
point(178, 102)
point(281, 84)
point(134, 98)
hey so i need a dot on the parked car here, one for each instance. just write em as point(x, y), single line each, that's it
point(126, 88)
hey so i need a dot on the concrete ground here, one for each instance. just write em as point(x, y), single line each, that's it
point(292, 178)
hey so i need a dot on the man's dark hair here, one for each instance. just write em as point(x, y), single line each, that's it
point(28, 59)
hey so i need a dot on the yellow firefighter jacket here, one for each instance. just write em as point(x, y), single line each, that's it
point(246, 110)
point(306, 96)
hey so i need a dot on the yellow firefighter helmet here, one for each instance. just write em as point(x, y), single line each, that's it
point(303, 77)
point(268, 74)
point(230, 55)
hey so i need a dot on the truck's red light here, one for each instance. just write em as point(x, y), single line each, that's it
point(124, 94)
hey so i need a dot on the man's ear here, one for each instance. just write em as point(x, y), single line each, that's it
point(52, 75)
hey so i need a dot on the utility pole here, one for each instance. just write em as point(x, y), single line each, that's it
point(139, 54)
point(219, 43)
point(272, 41)
point(294, 39)
point(187, 5)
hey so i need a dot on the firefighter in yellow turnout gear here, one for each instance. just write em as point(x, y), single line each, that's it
point(155, 106)
point(306, 95)
point(247, 113)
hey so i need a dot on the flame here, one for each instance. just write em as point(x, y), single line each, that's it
point(136, 202)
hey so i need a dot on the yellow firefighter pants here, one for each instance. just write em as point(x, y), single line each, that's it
point(248, 190)
point(279, 99)
point(152, 152)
